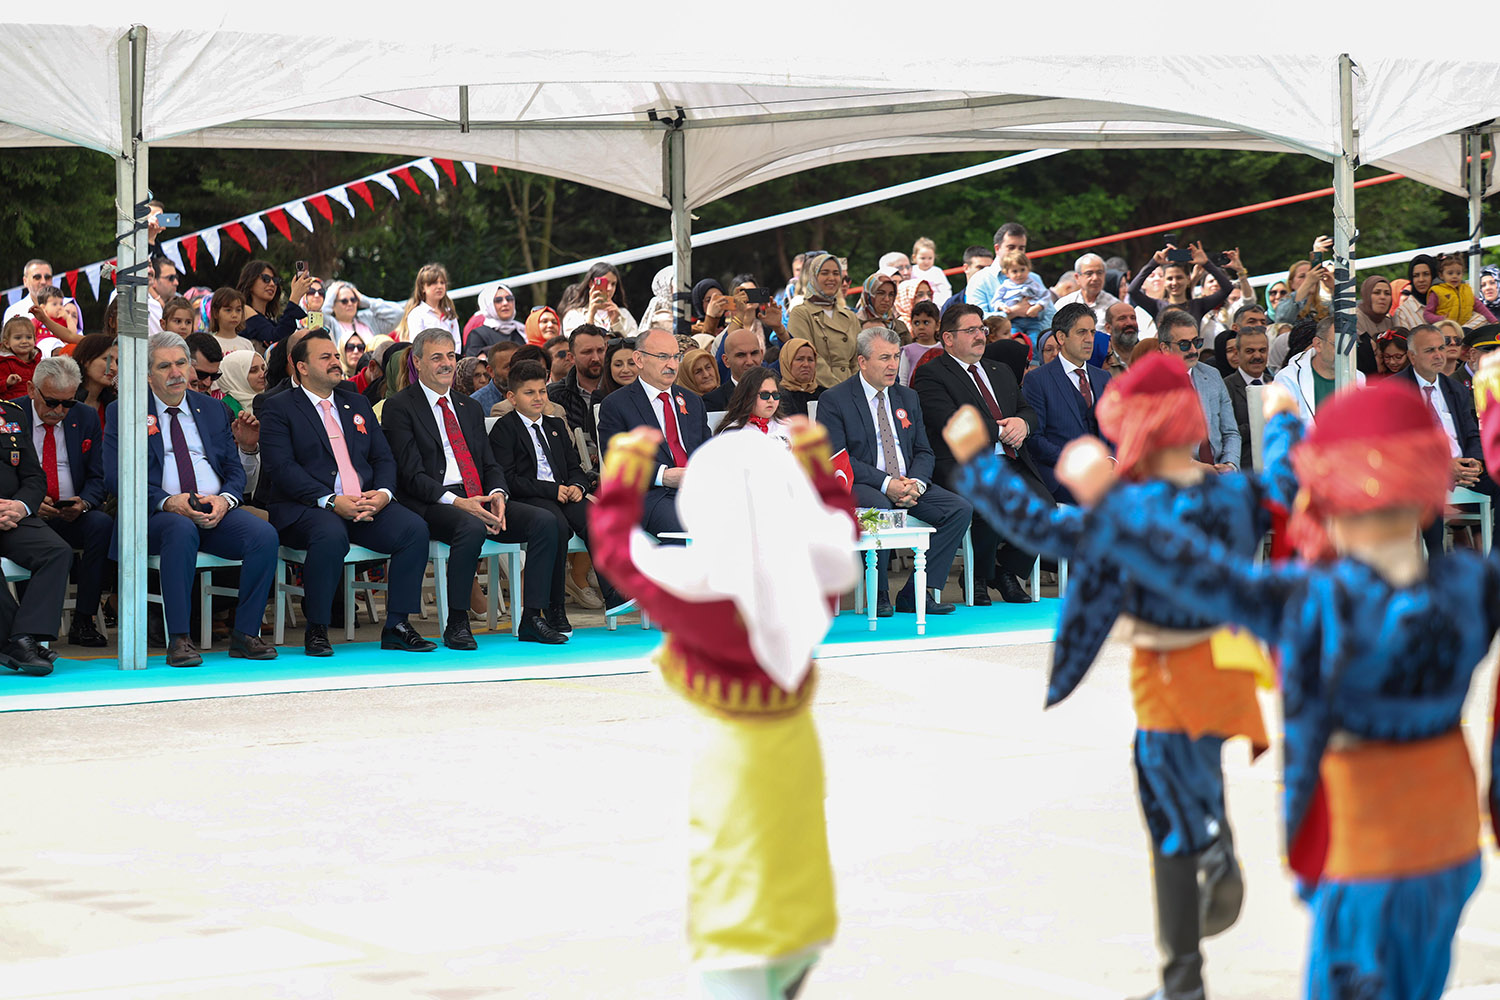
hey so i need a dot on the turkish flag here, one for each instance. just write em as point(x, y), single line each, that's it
point(842, 470)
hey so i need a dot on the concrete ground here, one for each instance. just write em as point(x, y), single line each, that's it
point(527, 839)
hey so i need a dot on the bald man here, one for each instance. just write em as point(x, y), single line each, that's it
point(742, 352)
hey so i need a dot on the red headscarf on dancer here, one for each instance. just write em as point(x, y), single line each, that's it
point(1151, 407)
point(1371, 449)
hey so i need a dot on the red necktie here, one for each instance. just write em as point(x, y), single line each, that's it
point(679, 457)
point(1084, 387)
point(460, 448)
point(1427, 395)
point(49, 461)
point(989, 401)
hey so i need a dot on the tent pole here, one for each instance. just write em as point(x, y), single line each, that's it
point(1344, 233)
point(682, 227)
point(131, 195)
point(1474, 144)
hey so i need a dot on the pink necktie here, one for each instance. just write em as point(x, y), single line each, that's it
point(347, 476)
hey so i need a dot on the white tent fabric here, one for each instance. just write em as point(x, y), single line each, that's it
point(771, 97)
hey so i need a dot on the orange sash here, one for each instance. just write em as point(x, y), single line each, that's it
point(1399, 809)
point(1180, 690)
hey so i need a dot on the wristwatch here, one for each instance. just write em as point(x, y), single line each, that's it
point(328, 504)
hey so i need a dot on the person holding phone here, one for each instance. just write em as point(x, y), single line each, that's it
point(1176, 267)
point(599, 300)
point(265, 319)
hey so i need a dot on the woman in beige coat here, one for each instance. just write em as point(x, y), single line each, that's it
point(825, 321)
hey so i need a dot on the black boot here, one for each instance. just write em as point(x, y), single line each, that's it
point(1221, 886)
point(1177, 928)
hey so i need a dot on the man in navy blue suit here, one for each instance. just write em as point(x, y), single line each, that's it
point(879, 424)
point(653, 401)
point(1063, 393)
point(332, 482)
point(70, 445)
point(195, 485)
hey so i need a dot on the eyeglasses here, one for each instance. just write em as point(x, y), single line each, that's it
point(347, 302)
point(204, 376)
point(769, 395)
point(504, 298)
point(663, 357)
point(42, 277)
point(1279, 293)
point(173, 278)
point(315, 290)
point(354, 348)
point(53, 404)
point(1453, 341)
point(269, 279)
point(1187, 345)
point(972, 329)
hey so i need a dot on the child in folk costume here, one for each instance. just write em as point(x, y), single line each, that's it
point(743, 607)
point(1377, 646)
point(1187, 698)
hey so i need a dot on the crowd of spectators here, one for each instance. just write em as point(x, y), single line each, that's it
point(298, 411)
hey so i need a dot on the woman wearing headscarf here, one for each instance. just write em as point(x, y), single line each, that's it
point(799, 376)
point(698, 372)
point(396, 376)
point(542, 324)
point(471, 375)
point(242, 376)
point(908, 294)
point(1373, 317)
point(708, 311)
point(495, 321)
point(1421, 273)
point(824, 320)
point(1276, 291)
point(659, 309)
point(877, 305)
point(1489, 288)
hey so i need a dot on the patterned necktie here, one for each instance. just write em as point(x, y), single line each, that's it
point(187, 480)
point(1086, 390)
point(1427, 396)
point(460, 448)
point(674, 442)
point(887, 439)
point(989, 401)
point(348, 478)
point(49, 461)
point(541, 444)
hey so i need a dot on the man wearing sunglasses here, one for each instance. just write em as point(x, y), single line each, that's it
point(69, 443)
point(35, 276)
point(1179, 336)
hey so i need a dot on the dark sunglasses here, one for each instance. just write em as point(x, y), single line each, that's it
point(271, 278)
point(207, 376)
point(51, 403)
point(1453, 341)
point(505, 298)
point(1187, 345)
point(347, 302)
point(353, 348)
point(769, 395)
point(315, 290)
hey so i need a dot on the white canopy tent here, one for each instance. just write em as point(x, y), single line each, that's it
point(679, 114)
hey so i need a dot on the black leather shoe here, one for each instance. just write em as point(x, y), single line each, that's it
point(907, 605)
point(458, 635)
point(558, 619)
point(83, 632)
point(883, 607)
point(405, 637)
point(982, 596)
point(156, 634)
point(315, 641)
point(244, 646)
point(23, 653)
point(1010, 589)
point(534, 628)
point(182, 653)
point(50, 654)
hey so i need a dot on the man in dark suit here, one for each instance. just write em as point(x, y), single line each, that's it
point(26, 540)
point(742, 352)
point(542, 467)
point(880, 425)
point(70, 444)
point(653, 401)
point(1453, 409)
point(447, 474)
point(333, 479)
point(195, 485)
point(962, 375)
point(1063, 392)
point(1252, 349)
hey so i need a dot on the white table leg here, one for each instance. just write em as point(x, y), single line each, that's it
point(870, 556)
point(920, 587)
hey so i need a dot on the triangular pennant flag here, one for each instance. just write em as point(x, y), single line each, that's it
point(447, 166)
point(320, 202)
point(363, 190)
point(298, 211)
point(469, 166)
point(495, 168)
point(114, 271)
point(170, 249)
point(278, 219)
point(341, 195)
point(256, 225)
point(385, 181)
point(190, 244)
point(211, 242)
point(92, 273)
point(425, 165)
point(237, 233)
point(13, 295)
point(72, 279)
point(405, 174)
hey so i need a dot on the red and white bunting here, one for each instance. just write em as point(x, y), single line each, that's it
point(447, 167)
point(169, 248)
point(257, 227)
point(92, 274)
point(320, 202)
point(298, 211)
point(429, 168)
point(384, 180)
point(473, 171)
point(405, 174)
point(190, 246)
point(236, 232)
point(278, 219)
point(71, 277)
point(341, 195)
point(211, 243)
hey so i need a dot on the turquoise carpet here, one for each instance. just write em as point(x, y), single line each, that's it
point(590, 652)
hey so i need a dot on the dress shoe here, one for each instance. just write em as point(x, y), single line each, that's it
point(245, 646)
point(405, 637)
point(558, 619)
point(50, 654)
point(83, 632)
point(883, 607)
point(23, 653)
point(1010, 589)
point(907, 605)
point(584, 597)
point(458, 635)
point(156, 633)
point(981, 597)
point(182, 653)
point(534, 628)
point(315, 641)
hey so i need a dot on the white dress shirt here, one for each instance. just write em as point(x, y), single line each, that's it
point(1262, 379)
point(65, 487)
point(543, 467)
point(451, 474)
point(890, 414)
point(203, 470)
point(1444, 414)
point(338, 480)
point(658, 407)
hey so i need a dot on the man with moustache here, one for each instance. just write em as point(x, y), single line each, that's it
point(576, 390)
point(1252, 351)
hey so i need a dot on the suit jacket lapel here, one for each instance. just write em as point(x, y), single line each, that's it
point(310, 414)
point(1066, 384)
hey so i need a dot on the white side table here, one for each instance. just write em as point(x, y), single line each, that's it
point(910, 537)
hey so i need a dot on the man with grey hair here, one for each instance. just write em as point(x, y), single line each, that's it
point(879, 424)
point(1090, 271)
point(195, 485)
point(1180, 339)
point(70, 446)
